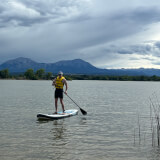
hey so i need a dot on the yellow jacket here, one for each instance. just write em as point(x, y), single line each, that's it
point(59, 82)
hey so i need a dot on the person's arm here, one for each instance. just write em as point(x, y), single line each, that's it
point(54, 82)
point(66, 86)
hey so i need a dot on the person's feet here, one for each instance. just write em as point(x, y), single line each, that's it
point(63, 112)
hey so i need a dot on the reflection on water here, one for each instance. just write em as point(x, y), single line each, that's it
point(59, 130)
point(83, 121)
point(107, 132)
point(154, 154)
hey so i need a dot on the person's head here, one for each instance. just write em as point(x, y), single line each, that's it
point(60, 73)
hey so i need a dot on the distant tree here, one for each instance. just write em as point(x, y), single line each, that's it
point(48, 75)
point(155, 78)
point(40, 73)
point(29, 74)
point(4, 73)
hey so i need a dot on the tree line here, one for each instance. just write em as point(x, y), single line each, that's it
point(29, 74)
point(40, 74)
point(115, 78)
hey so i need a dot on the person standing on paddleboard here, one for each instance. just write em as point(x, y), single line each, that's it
point(59, 82)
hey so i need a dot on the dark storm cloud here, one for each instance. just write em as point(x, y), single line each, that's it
point(138, 49)
point(157, 44)
point(50, 30)
point(106, 29)
point(28, 13)
point(16, 13)
point(140, 15)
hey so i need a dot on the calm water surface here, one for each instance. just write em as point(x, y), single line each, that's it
point(108, 132)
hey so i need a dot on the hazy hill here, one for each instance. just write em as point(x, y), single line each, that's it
point(76, 66)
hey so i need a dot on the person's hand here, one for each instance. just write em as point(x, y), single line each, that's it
point(53, 84)
point(65, 92)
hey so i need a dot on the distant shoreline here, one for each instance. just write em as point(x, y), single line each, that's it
point(42, 75)
point(88, 77)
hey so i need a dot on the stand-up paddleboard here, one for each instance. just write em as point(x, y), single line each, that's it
point(59, 115)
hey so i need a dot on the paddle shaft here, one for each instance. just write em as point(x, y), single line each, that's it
point(83, 111)
point(73, 100)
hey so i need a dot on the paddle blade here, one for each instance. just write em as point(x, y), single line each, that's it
point(83, 111)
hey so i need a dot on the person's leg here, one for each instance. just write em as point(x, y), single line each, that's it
point(56, 104)
point(61, 100)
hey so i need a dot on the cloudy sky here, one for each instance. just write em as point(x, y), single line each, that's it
point(106, 33)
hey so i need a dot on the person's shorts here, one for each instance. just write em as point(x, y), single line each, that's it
point(58, 93)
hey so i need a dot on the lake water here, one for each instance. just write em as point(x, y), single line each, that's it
point(110, 131)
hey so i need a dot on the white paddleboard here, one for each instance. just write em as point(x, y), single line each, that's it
point(59, 115)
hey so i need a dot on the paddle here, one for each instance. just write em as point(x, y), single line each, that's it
point(83, 111)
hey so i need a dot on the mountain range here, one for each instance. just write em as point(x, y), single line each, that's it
point(76, 66)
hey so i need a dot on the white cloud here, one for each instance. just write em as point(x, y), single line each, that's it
point(26, 12)
point(107, 33)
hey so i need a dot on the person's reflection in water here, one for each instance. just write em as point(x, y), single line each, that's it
point(59, 130)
